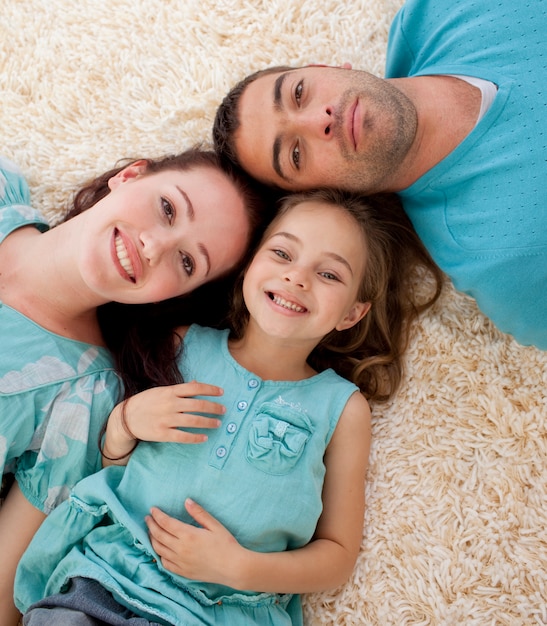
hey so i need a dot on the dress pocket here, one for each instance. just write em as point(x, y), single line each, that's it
point(277, 438)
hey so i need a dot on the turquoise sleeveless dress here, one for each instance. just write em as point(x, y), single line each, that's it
point(260, 474)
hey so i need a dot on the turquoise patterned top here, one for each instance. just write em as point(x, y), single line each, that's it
point(55, 393)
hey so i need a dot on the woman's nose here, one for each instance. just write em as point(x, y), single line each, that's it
point(154, 246)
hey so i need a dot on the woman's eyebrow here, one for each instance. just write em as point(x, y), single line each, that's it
point(191, 216)
point(189, 206)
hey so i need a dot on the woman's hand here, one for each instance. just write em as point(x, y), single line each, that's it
point(209, 554)
point(159, 414)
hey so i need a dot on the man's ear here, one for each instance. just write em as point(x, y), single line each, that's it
point(354, 315)
point(344, 66)
point(130, 172)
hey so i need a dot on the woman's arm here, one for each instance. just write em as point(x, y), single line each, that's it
point(326, 562)
point(159, 414)
point(19, 521)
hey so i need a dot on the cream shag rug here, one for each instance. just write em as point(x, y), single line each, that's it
point(455, 530)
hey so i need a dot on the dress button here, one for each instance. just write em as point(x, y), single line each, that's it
point(231, 427)
point(242, 405)
point(253, 383)
point(221, 452)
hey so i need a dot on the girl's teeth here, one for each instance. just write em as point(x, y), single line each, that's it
point(288, 305)
point(123, 257)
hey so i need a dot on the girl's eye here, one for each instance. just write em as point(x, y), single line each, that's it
point(298, 92)
point(296, 156)
point(168, 209)
point(329, 276)
point(282, 255)
point(187, 263)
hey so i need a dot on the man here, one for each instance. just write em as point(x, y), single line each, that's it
point(457, 129)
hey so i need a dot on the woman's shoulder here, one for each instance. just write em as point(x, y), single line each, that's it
point(15, 209)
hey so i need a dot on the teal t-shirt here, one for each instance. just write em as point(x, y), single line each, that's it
point(55, 393)
point(482, 211)
point(260, 474)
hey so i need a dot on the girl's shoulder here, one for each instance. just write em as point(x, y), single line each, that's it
point(15, 209)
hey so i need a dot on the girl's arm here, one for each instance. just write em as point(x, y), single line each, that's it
point(158, 414)
point(326, 562)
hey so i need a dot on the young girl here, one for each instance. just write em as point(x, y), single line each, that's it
point(280, 485)
point(141, 233)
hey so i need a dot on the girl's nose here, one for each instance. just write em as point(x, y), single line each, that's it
point(296, 276)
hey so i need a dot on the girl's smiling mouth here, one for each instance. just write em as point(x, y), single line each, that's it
point(286, 304)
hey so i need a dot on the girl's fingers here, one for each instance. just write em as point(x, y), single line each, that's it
point(193, 388)
point(195, 405)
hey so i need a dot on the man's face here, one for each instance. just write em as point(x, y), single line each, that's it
point(324, 127)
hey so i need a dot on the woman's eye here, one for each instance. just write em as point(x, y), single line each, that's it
point(187, 264)
point(298, 92)
point(168, 209)
point(296, 156)
point(281, 254)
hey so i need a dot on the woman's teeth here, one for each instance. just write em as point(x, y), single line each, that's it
point(123, 257)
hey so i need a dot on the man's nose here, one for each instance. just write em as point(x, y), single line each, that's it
point(318, 122)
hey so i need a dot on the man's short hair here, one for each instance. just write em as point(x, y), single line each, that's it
point(227, 116)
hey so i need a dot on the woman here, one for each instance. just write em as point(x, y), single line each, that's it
point(143, 233)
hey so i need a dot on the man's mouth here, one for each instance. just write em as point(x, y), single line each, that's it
point(352, 123)
point(286, 304)
point(123, 257)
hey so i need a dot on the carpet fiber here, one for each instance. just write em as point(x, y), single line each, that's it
point(455, 528)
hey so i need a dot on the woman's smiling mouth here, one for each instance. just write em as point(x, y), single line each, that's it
point(123, 257)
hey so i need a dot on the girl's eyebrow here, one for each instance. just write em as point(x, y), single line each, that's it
point(332, 255)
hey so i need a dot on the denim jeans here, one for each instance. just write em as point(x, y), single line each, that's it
point(86, 603)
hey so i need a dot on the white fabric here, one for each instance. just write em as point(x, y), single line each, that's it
point(488, 92)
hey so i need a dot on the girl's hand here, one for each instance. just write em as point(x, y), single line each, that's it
point(196, 553)
point(159, 414)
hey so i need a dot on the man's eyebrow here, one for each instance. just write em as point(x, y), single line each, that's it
point(278, 106)
point(191, 216)
point(276, 163)
point(277, 90)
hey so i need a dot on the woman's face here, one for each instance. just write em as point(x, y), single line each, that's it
point(161, 235)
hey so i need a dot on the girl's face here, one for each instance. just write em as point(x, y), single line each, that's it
point(161, 235)
point(304, 280)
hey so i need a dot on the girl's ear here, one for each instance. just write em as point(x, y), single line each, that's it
point(354, 315)
point(128, 173)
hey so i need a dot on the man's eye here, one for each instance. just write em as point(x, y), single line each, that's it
point(296, 157)
point(168, 209)
point(187, 264)
point(298, 92)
